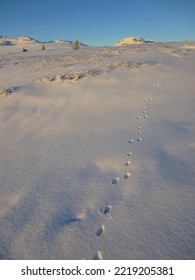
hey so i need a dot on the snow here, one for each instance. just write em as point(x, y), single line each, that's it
point(97, 151)
point(132, 41)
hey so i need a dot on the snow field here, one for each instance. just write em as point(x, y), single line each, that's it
point(101, 168)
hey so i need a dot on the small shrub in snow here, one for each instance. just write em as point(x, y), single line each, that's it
point(129, 65)
point(59, 77)
point(45, 79)
point(24, 50)
point(5, 91)
point(74, 76)
point(94, 72)
point(76, 45)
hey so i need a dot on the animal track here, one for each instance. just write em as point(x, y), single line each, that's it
point(98, 255)
point(127, 163)
point(127, 175)
point(115, 180)
point(105, 210)
point(100, 230)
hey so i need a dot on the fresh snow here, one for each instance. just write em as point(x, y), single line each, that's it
point(97, 151)
point(131, 41)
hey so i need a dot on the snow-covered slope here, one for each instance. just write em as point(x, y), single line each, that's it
point(97, 152)
point(28, 41)
point(12, 41)
point(131, 41)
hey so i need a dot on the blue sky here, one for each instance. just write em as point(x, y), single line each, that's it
point(98, 22)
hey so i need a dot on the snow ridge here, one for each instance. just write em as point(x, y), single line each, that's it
point(25, 40)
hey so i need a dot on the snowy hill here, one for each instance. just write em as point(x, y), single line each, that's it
point(25, 40)
point(132, 41)
point(13, 41)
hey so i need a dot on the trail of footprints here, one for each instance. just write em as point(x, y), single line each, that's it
point(127, 163)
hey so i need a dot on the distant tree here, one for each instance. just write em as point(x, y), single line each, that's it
point(76, 45)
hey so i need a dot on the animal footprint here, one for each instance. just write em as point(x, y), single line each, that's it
point(127, 175)
point(129, 154)
point(106, 210)
point(115, 180)
point(98, 255)
point(127, 163)
point(100, 230)
point(130, 141)
point(139, 139)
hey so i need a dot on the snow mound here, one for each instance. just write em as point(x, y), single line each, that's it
point(132, 41)
point(26, 39)
point(189, 45)
point(129, 41)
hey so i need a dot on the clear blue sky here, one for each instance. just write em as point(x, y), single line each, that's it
point(98, 22)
